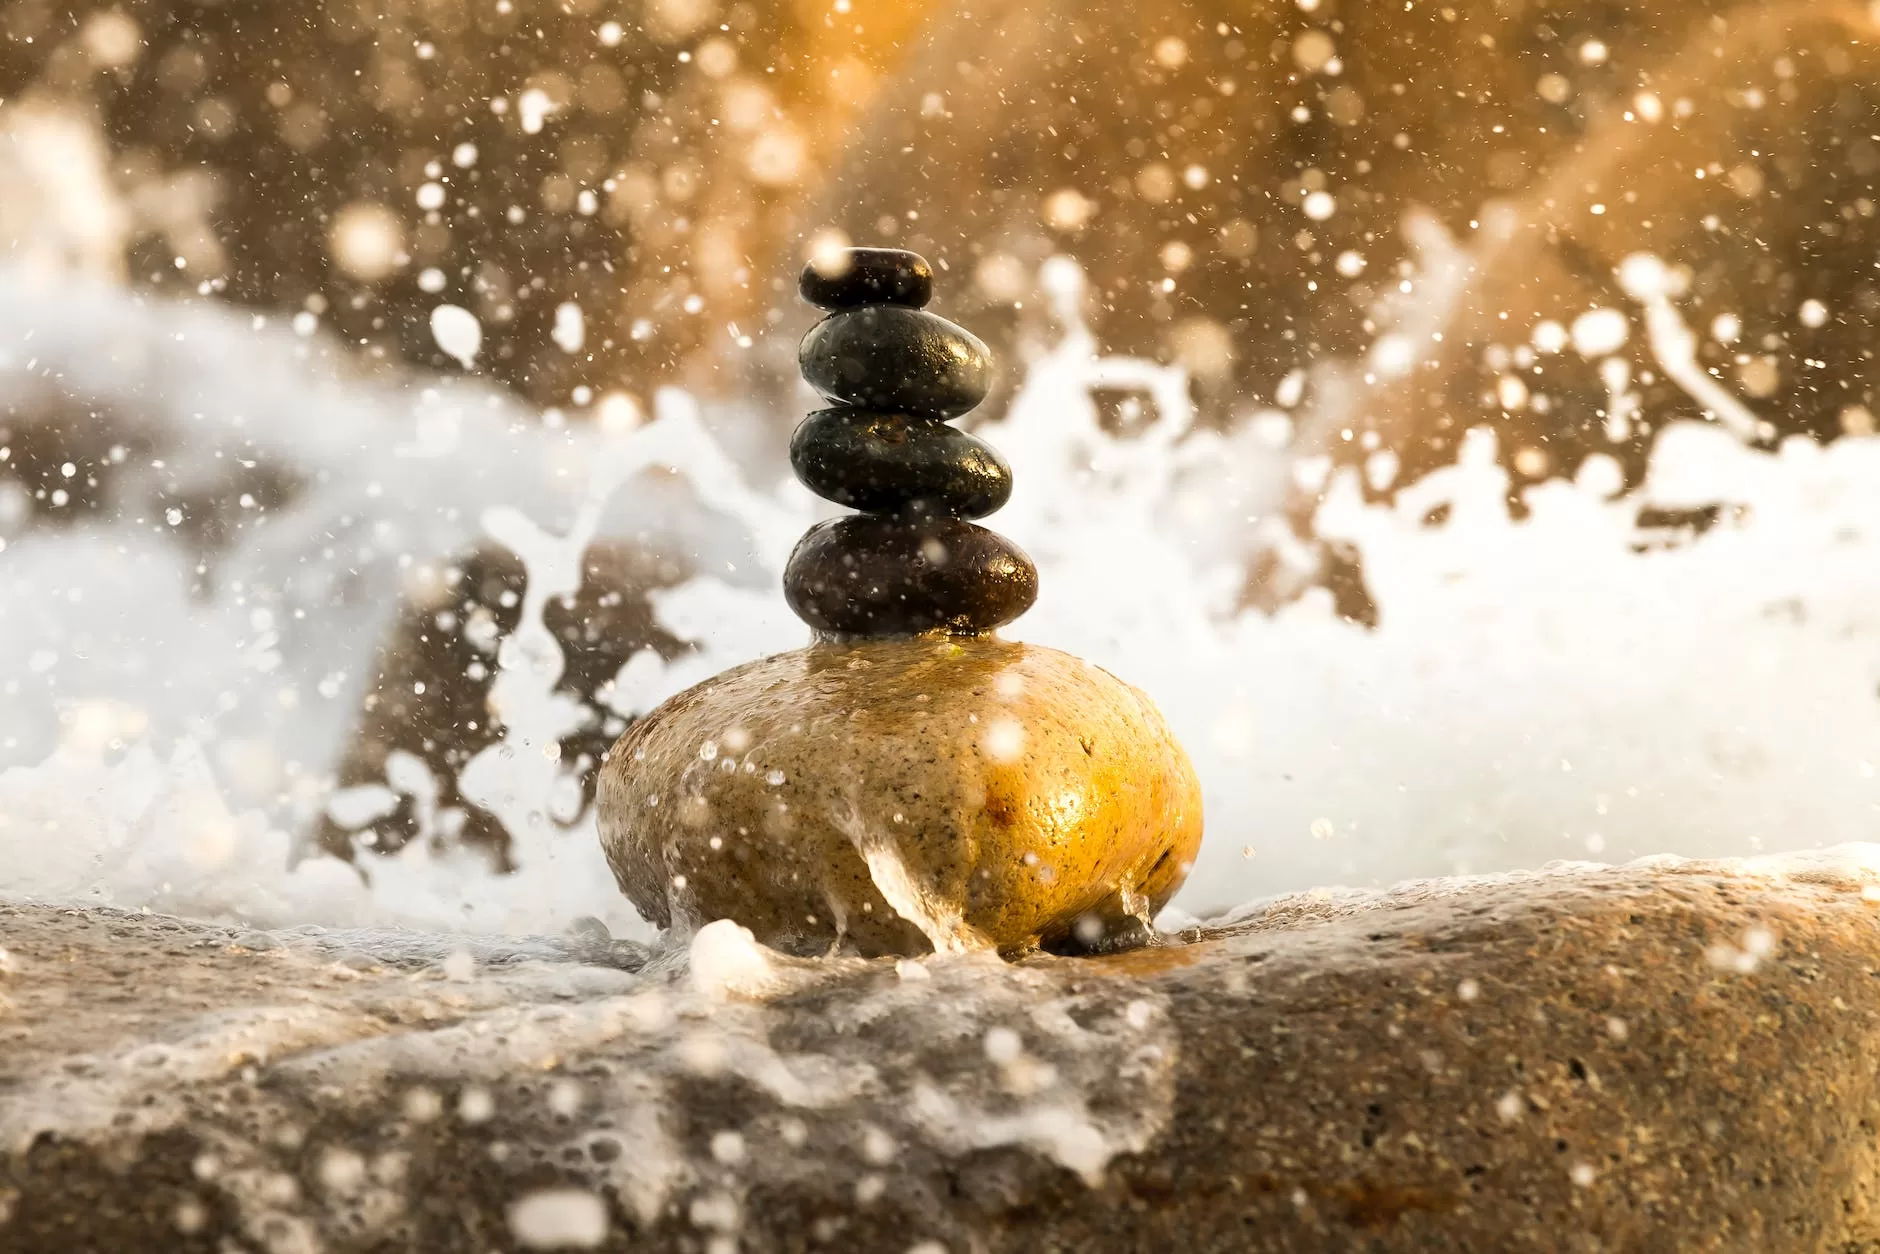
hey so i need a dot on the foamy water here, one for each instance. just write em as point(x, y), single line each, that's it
point(1533, 691)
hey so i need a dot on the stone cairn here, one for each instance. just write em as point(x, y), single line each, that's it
point(911, 561)
point(908, 782)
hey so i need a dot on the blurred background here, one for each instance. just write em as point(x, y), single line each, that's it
point(1457, 416)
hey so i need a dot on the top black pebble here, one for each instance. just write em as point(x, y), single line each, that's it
point(871, 276)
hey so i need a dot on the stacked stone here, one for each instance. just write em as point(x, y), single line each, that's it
point(911, 562)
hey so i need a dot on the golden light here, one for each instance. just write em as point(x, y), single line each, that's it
point(367, 241)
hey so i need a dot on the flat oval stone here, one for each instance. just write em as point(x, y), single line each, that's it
point(869, 276)
point(866, 575)
point(890, 358)
point(888, 463)
point(903, 797)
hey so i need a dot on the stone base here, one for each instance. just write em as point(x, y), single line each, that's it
point(1666, 1058)
point(904, 796)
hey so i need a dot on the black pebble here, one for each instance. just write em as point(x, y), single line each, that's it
point(866, 575)
point(888, 463)
point(874, 276)
point(887, 357)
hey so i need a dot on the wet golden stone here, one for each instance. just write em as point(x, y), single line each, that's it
point(903, 796)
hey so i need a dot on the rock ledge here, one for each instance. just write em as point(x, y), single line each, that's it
point(1662, 1056)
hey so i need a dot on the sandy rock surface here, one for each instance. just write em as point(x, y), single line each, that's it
point(1639, 1058)
point(902, 797)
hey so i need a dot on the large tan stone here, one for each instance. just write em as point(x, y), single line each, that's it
point(902, 796)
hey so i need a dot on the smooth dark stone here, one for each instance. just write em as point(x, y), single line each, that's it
point(875, 276)
point(899, 463)
point(866, 575)
point(890, 358)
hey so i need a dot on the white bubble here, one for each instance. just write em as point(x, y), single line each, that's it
point(1320, 205)
point(725, 960)
point(1003, 1046)
point(1644, 277)
point(1291, 389)
point(828, 253)
point(570, 331)
point(1313, 51)
point(1759, 941)
point(559, 1219)
point(341, 1171)
point(728, 1147)
point(112, 38)
point(366, 240)
point(534, 108)
point(1067, 209)
point(476, 1105)
point(458, 333)
point(1511, 393)
point(421, 1104)
point(1004, 740)
point(1393, 356)
point(1600, 332)
point(618, 413)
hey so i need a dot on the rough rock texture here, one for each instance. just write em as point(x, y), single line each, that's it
point(902, 796)
point(1588, 1059)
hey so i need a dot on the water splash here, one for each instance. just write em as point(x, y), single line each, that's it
point(940, 919)
point(160, 691)
point(1647, 280)
point(1533, 689)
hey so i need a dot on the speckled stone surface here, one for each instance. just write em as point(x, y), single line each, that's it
point(1633, 1059)
point(985, 789)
